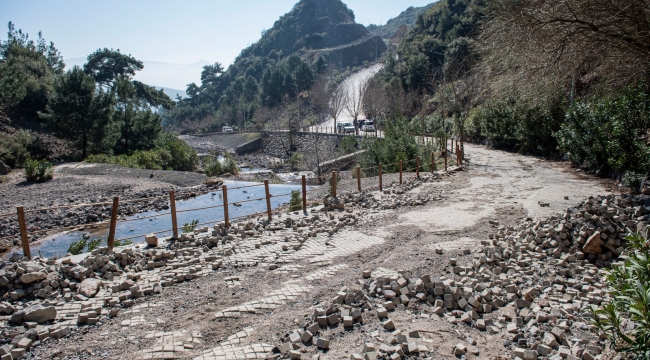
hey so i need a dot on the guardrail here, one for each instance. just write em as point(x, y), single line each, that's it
point(355, 174)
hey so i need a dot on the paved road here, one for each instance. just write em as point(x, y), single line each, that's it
point(350, 85)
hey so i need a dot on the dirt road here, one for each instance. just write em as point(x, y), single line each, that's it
point(244, 309)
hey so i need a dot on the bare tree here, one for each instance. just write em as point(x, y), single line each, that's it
point(354, 102)
point(336, 104)
point(571, 43)
point(374, 101)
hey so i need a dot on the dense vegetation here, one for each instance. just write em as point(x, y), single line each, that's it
point(99, 109)
point(550, 78)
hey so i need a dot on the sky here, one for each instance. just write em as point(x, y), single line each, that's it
point(180, 32)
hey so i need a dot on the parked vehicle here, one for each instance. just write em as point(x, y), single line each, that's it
point(344, 127)
point(368, 125)
point(226, 129)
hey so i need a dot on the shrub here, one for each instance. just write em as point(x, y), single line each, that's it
point(295, 204)
point(94, 244)
point(77, 247)
point(189, 227)
point(230, 165)
point(171, 154)
point(118, 243)
point(16, 150)
point(609, 134)
point(348, 145)
point(295, 159)
point(212, 166)
point(625, 320)
point(39, 171)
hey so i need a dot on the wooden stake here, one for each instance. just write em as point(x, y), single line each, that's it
point(224, 188)
point(401, 165)
point(433, 162)
point(304, 193)
point(23, 232)
point(359, 178)
point(268, 199)
point(417, 167)
point(172, 205)
point(111, 233)
point(381, 186)
point(446, 156)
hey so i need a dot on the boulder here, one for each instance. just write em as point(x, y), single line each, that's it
point(89, 287)
point(592, 246)
point(32, 277)
point(4, 169)
point(151, 239)
point(35, 313)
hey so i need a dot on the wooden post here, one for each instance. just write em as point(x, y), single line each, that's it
point(172, 205)
point(359, 178)
point(381, 185)
point(417, 167)
point(433, 162)
point(401, 164)
point(224, 188)
point(446, 156)
point(111, 233)
point(268, 199)
point(304, 193)
point(23, 232)
point(334, 184)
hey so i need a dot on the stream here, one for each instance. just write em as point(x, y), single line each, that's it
point(57, 244)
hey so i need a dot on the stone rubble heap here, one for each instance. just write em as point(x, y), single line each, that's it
point(547, 272)
point(46, 298)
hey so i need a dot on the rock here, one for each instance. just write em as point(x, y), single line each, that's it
point(6, 308)
point(151, 239)
point(90, 287)
point(35, 313)
point(77, 272)
point(592, 246)
point(4, 169)
point(32, 277)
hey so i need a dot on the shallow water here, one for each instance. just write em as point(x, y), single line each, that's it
point(57, 245)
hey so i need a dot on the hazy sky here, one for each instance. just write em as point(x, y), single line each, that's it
point(163, 30)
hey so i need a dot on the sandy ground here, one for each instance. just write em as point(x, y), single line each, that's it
point(498, 186)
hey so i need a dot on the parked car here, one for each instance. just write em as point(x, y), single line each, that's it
point(226, 129)
point(344, 127)
point(368, 125)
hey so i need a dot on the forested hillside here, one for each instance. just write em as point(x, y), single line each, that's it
point(551, 78)
point(283, 64)
point(403, 22)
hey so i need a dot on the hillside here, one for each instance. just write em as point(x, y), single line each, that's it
point(407, 18)
point(315, 37)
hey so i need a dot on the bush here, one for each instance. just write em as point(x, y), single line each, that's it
point(118, 243)
point(39, 171)
point(230, 165)
point(77, 247)
point(212, 166)
point(295, 204)
point(609, 134)
point(16, 150)
point(171, 154)
point(625, 320)
point(94, 244)
point(189, 227)
point(348, 145)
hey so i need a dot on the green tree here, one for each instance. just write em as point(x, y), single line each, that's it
point(80, 112)
point(107, 65)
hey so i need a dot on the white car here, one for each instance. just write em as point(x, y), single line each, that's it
point(226, 129)
point(344, 128)
point(368, 126)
